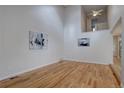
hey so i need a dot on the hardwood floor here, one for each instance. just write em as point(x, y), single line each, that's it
point(116, 68)
point(65, 74)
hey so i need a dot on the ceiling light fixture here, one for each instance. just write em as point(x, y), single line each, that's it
point(96, 12)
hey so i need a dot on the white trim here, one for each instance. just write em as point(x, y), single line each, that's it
point(24, 71)
point(28, 70)
point(87, 61)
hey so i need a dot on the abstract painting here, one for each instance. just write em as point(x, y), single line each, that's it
point(84, 42)
point(37, 40)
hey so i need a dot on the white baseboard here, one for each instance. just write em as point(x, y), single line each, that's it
point(28, 70)
point(24, 71)
point(86, 61)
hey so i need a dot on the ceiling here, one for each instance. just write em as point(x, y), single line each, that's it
point(88, 8)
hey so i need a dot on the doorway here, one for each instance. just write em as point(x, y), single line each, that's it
point(117, 46)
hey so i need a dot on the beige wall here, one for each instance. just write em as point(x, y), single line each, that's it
point(83, 20)
point(116, 42)
point(88, 20)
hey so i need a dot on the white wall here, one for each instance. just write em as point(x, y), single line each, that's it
point(1, 37)
point(101, 43)
point(117, 30)
point(0, 45)
point(16, 23)
point(0, 41)
point(115, 12)
point(122, 60)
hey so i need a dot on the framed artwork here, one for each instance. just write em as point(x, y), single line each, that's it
point(37, 40)
point(84, 42)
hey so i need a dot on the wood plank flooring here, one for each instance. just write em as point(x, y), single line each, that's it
point(65, 74)
point(116, 68)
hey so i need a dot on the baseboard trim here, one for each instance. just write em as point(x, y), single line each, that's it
point(28, 70)
point(25, 71)
point(86, 61)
